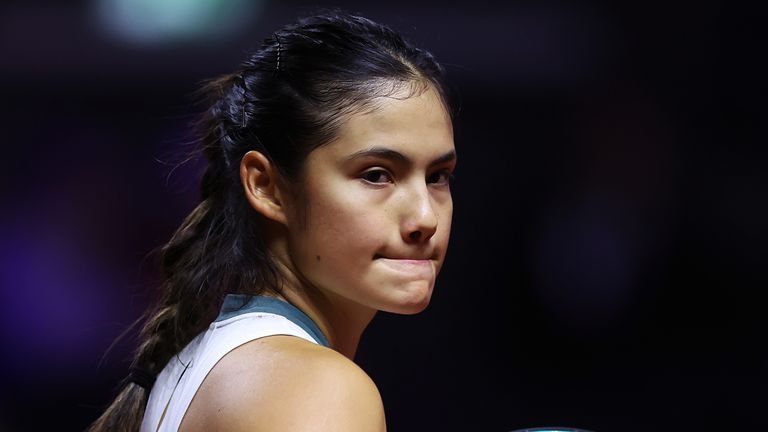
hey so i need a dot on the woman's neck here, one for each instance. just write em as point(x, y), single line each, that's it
point(341, 320)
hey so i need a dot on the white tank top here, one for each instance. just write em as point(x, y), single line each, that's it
point(242, 319)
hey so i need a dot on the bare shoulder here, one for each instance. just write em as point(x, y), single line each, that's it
point(288, 384)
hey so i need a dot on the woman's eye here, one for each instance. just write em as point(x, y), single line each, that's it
point(440, 178)
point(377, 176)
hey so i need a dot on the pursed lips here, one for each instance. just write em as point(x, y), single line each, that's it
point(414, 267)
point(405, 257)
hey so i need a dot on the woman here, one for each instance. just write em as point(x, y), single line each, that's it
point(326, 199)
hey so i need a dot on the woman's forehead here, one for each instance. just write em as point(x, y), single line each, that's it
point(415, 124)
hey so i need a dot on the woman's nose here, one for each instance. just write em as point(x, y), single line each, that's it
point(420, 218)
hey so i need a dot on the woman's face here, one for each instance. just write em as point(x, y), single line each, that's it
point(374, 226)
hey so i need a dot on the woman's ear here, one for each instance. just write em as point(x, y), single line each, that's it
point(260, 181)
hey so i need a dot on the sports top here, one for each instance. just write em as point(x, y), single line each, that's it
point(242, 319)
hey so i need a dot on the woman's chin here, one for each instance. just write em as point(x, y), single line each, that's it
point(412, 301)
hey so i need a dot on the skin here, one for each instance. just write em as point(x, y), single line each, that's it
point(368, 232)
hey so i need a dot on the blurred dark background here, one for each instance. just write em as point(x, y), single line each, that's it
point(608, 253)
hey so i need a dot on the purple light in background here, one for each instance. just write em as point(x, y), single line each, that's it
point(56, 297)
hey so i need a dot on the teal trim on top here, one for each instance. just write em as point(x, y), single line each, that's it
point(238, 304)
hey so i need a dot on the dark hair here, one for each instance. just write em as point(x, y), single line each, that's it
point(287, 99)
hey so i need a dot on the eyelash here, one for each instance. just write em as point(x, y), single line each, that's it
point(373, 176)
point(376, 172)
point(447, 178)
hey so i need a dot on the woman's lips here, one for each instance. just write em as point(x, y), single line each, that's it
point(420, 268)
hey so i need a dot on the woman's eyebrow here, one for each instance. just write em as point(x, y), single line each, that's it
point(379, 152)
point(396, 156)
point(448, 157)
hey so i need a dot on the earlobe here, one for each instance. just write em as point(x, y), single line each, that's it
point(260, 184)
